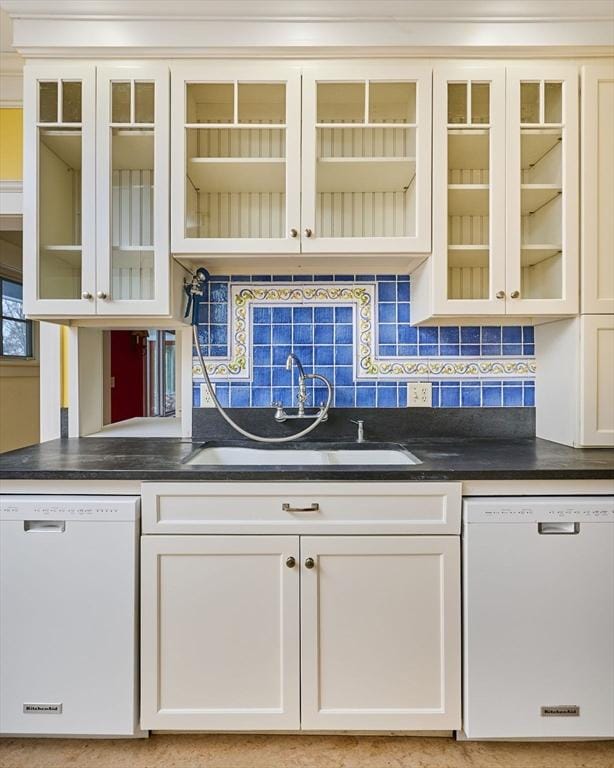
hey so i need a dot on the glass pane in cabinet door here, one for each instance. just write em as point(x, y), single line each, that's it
point(457, 103)
point(144, 102)
point(468, 193)
point(262, 103)
point(132, 214)
point(210, 103)
point(59, 223)
point(71, 102)
point(48, 102)
point(392, 102)
point(553, 102)
point(365, 174)
point(529, 103)
point(341, 102)
point(236, 173)
point(120, 102)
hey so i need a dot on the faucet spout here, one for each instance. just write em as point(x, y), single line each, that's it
point(292, 358)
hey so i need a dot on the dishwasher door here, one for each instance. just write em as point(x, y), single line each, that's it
point(538, 594)
point(68, 615)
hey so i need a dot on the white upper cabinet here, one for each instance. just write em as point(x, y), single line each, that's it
point(235, 166)
point(96, 240)
point(366, 159)
point(469, 190)
point(505, 192)
point(542, 190)
point(59, 244)
point(597, 198)
point(133, 145)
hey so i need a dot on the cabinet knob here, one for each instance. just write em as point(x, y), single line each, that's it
point(291, 562)
point(86, 295)
point(310, 563)
point(293, 232)
point(515, 294)
point(500, 294)
point(101, 295)
point(308, 232)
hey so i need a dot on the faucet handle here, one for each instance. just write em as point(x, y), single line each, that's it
point(357, 421)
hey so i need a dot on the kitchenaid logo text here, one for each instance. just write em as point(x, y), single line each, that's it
point(561, 711)
point(43, 709)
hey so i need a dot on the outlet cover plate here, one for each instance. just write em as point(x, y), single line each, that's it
point(419, 394)
point(205, 397)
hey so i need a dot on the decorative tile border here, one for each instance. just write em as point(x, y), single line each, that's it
point(367, 363)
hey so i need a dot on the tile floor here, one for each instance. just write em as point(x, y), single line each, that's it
point(236, 751)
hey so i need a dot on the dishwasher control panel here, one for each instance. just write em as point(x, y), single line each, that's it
point(540, 509)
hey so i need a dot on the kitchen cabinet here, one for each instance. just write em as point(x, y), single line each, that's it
point(505, 181)
point(366, 158)
point(236, 170)
point(575, 381)
point(244, 183)
point(380, 632)
point(96, 238)
point(59, 236)
point(597, 182)
point(316, 570)
point(132, 263)
point(220, 633)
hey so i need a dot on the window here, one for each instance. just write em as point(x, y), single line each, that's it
point(16, 331)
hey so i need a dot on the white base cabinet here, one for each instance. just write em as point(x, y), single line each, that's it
point(380, 633)
point(293, 628)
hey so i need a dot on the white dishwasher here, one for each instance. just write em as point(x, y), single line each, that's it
point(68, 615)
point(538, 617)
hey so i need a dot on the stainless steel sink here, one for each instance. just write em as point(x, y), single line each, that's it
point(351, 454)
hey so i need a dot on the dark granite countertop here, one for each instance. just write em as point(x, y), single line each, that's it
point(451, 458)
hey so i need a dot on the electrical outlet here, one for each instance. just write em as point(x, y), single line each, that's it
point(205, 397)
point(419, 394)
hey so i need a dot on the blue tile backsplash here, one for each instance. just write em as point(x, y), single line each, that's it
point(355, 330)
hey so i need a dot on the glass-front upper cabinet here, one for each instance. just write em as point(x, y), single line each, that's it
point(59, 198)
point(542, 189)
point(132, 190)
point(469, 190)
point(235, 131)
point(366, 158)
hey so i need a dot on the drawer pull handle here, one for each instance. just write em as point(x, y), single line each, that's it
point(310, 563)
point(46, 526)
point(315, 507)
point(558, 528)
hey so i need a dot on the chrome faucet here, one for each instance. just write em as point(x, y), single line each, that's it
point(301, 397)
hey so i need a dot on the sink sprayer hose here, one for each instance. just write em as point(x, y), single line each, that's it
point(216, 402)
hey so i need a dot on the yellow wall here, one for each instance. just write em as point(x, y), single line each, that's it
point(11, 144)
point(19, 406)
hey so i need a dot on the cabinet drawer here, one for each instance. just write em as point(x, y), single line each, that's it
point(315, 508)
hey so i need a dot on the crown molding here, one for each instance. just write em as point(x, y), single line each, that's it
point(131, 28)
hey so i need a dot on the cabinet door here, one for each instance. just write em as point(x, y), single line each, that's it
point(469, 190)
point(366, 158)
point(380, 633)
point(59, 239)
point(597, 197)
point(219, 644)
point(235, 133)
point(596, 380)
point(133, 190)
point(542, 190)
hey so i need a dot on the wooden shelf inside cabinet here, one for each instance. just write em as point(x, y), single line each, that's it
point(468, 199)
point(468, 255)
point(537, 143)
point(133, 150)
point(536, 196)
point(365, 174)
point(535, 254)
point(65, 143)
point(468, 149)
point(238, 174)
